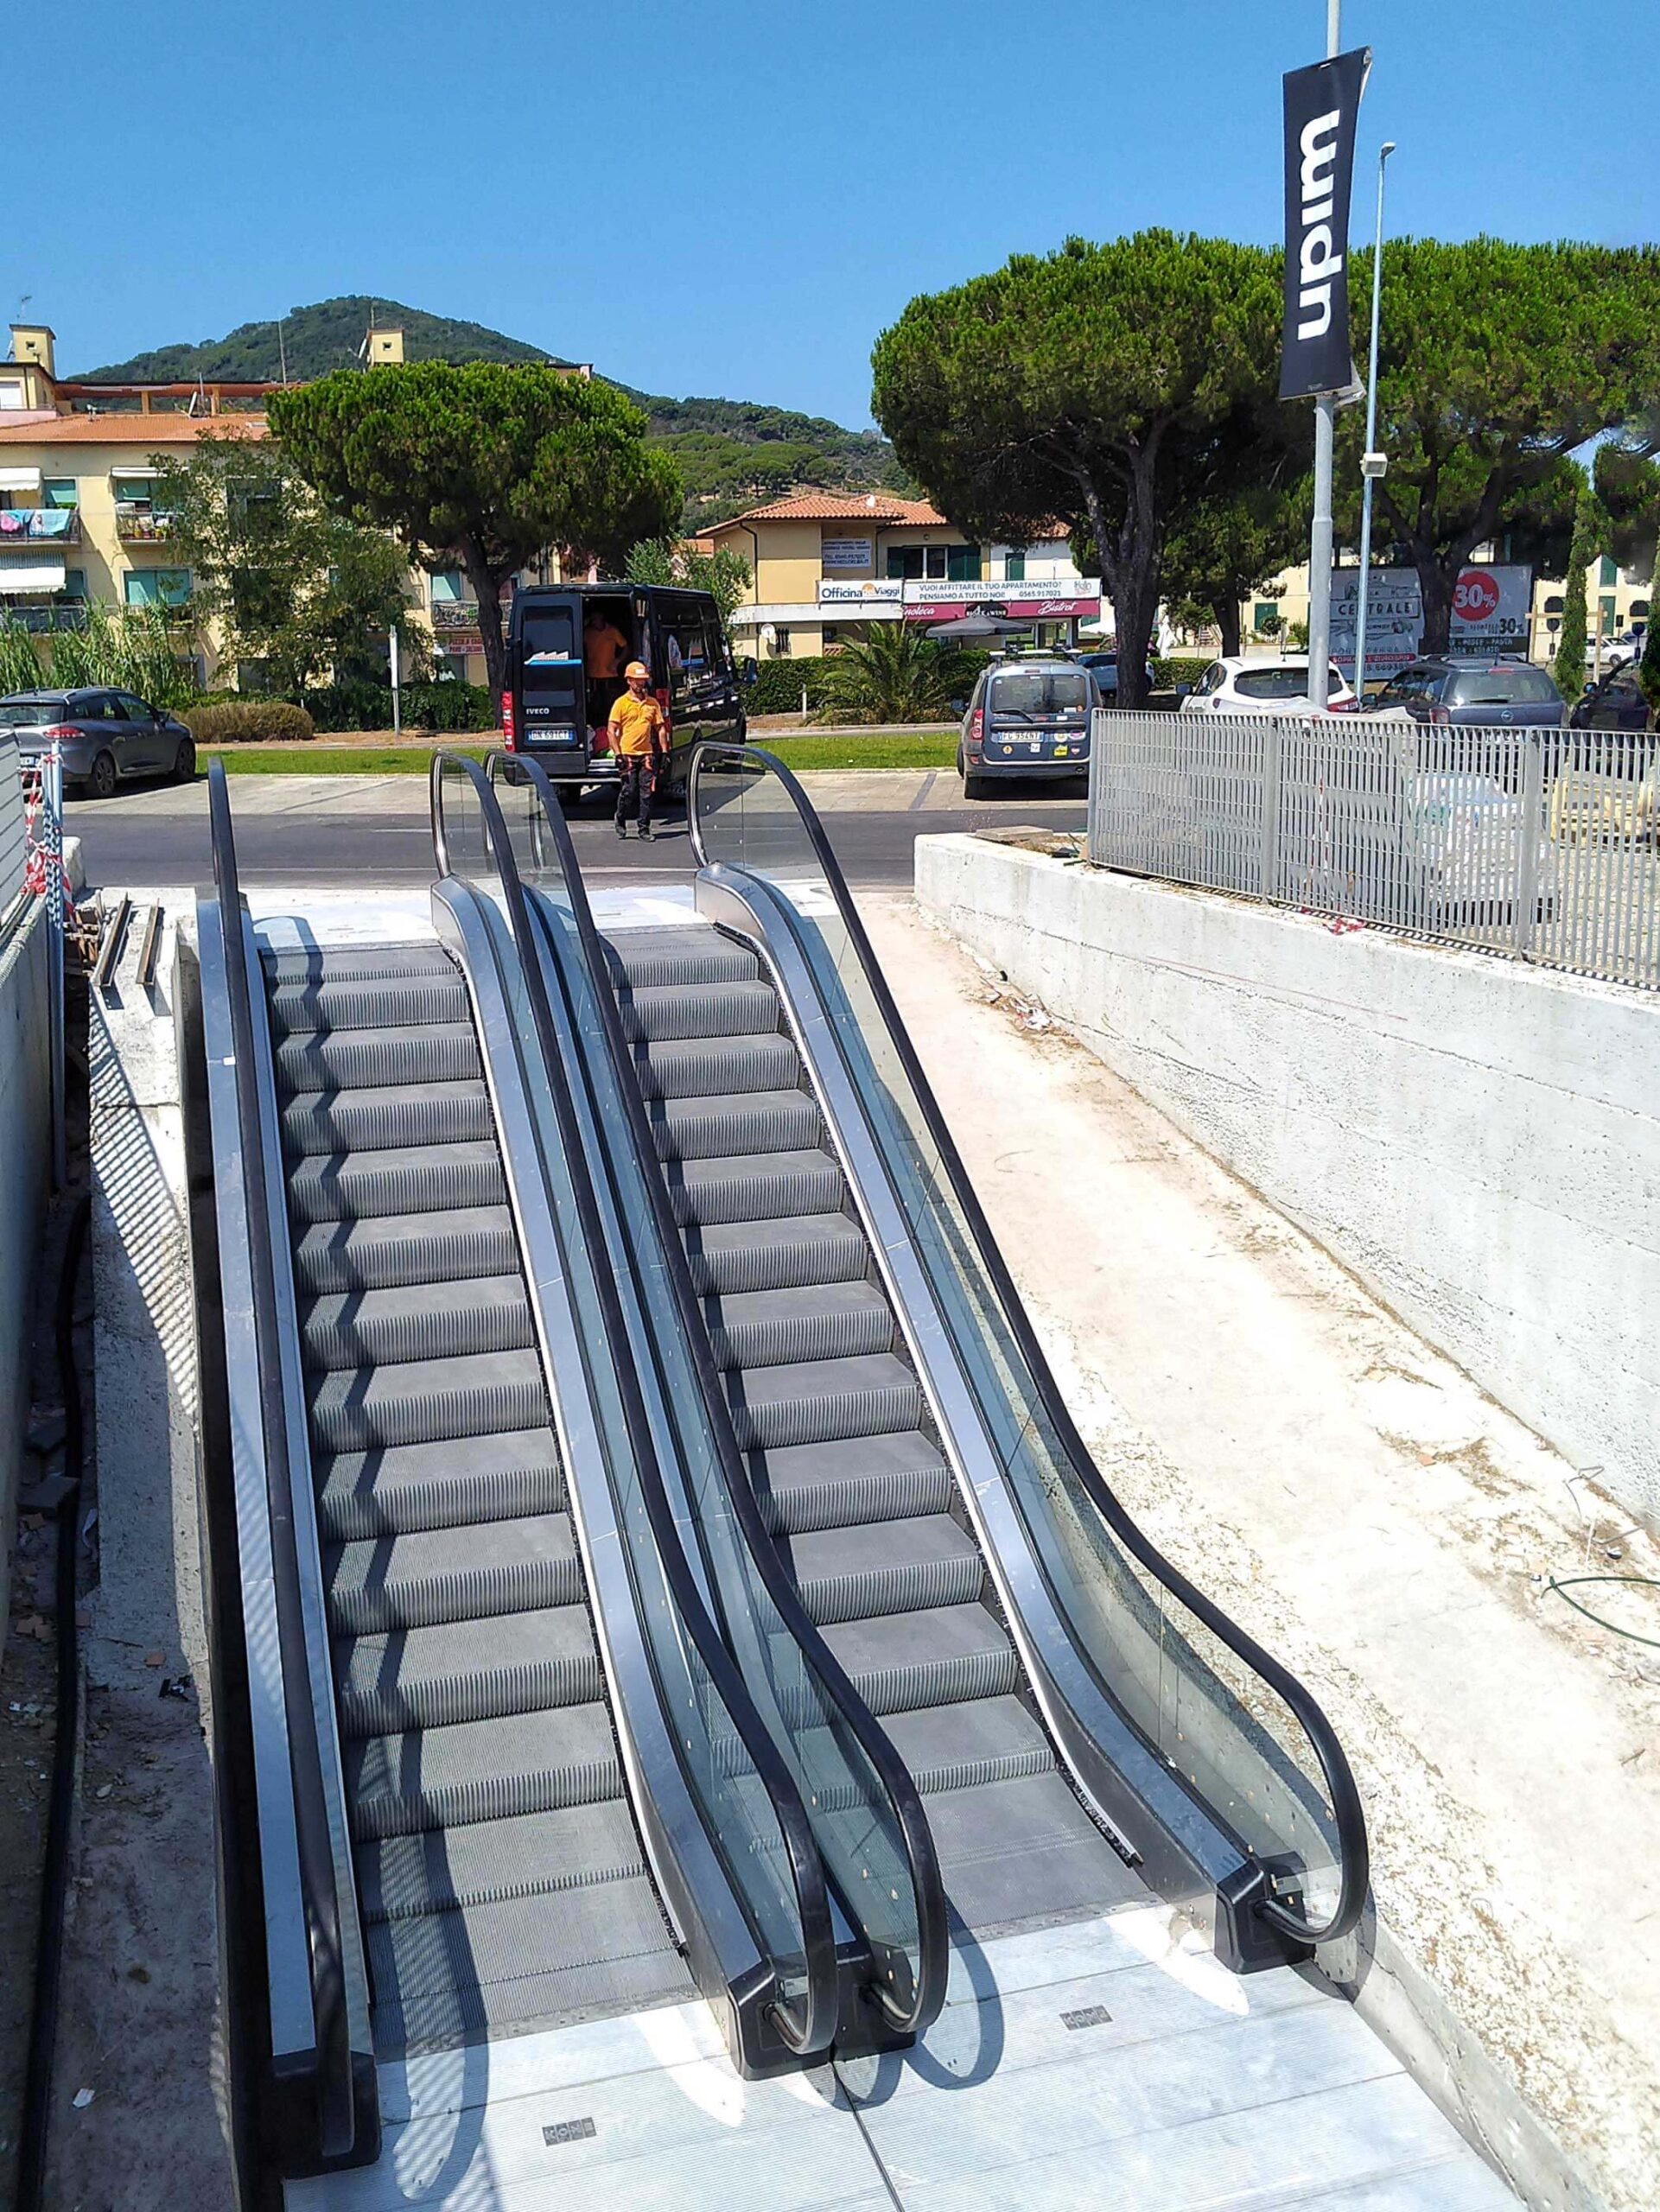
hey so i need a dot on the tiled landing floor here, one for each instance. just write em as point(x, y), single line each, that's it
point(1101, 2064)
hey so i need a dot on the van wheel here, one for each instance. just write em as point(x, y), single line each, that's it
point(100, 783)
point(570, 796)
point(975, 786)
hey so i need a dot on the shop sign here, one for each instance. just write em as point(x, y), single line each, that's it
point(848, 553)
point(1023, 603)
point(872, 592)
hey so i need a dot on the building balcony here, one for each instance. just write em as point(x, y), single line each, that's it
point(137, 526)
point(65, 614)
point(39, 526)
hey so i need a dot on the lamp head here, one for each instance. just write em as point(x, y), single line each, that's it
point(1386, 150)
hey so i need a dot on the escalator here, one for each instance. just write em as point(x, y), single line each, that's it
point(503, 1774)
point(479, 1760)
point(1082, 1726)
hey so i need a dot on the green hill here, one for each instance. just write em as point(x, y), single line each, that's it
point(731, 453)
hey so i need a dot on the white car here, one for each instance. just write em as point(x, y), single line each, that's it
point(1280, 686)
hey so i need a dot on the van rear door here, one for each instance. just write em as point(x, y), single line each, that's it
point(548, 680)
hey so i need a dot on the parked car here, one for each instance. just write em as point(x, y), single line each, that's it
point(1615, 703)
point(1458, 690)
point(1104, 669)
point(1280, 686)
point(1627, 650)
point(1464, 841)
point(102, 736)
point(1028, 715)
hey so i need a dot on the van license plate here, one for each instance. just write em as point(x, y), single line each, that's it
point(556, 736)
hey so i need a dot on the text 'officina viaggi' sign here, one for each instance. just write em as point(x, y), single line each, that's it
point(1321, 104)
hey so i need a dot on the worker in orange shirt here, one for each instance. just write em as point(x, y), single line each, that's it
point(639, 738)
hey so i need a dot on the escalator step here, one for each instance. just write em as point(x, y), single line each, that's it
point(416, 1321)
point(399, 1001)
point(319, 963)
point(963, 1747)
point(499, 1970)
point(702, 1011)
point(374, 1254)
point(354, 1060)
point(752, 1121)
point(418, 1401)
point(764, 1328)
point(412, 1580)
point(465, 1670)
point(647, 958)
point(481, 1771)
point(408, 1487)
point(890, 1566)
point(378, 1120)
point(718, 1067)
point(1024, 1850)
point(804, 1487)
point(535, 1854)
point(753, 1187)
point(728, 1259)
point(948, 1654)
point(818, 1402)
point(357, 1185)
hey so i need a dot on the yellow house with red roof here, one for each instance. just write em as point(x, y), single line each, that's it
point(824, 565)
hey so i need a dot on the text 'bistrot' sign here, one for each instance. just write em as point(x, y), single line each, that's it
point(1321, 104)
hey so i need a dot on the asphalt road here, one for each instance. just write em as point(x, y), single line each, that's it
point(340, 831)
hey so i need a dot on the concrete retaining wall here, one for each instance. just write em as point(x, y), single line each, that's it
point(25, 1177)
point(1479, 1142)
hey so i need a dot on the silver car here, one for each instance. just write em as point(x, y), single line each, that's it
point(102, 736)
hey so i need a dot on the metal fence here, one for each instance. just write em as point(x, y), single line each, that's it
point(1538, 843)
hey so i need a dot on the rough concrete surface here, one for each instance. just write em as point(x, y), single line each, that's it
point(141, 2027)
point(1477, 1138)
point(1358, 1503)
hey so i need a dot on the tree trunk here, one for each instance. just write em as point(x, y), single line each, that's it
point(1437, 583)
point(1226, 612)
point(486, 591)
point(1129, 570)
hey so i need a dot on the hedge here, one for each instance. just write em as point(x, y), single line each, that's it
point(441, 707)
point(248, 721)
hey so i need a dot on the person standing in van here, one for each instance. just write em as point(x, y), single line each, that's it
point(604, 651)
point(640, 735)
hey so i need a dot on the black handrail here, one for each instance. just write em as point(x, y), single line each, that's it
point(1349, 1816)
point(336, 2105)
point(814, 2032)
point(933, 1932)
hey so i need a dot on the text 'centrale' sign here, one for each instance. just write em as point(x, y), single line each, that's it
point(1490, 614)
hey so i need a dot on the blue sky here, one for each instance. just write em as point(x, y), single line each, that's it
point(731, 197)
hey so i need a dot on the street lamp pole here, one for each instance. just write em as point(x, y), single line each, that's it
point(1372, 462)
point(1319, 542)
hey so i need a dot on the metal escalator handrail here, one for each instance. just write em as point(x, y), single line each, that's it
point(1348, 1813)
point(812, 2032)
point(336, 2105)
point(933, 1945)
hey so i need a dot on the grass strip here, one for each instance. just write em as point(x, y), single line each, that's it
point(334, 760)
point(914, 749)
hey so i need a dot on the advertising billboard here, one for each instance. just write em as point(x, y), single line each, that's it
point(1490, 614)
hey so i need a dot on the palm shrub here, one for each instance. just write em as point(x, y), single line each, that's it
point(894, 675)
point(19, 660)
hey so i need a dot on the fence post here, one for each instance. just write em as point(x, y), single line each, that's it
point(1525, 918)
point(1269, 826)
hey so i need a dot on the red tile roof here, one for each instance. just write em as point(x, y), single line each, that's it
point(840, 506)
point(145, 430)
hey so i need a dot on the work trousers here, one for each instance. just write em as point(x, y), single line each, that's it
point(636, 782)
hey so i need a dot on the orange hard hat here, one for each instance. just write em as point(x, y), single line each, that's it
point(637, 668)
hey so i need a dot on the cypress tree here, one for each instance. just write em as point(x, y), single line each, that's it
point(1568, 668)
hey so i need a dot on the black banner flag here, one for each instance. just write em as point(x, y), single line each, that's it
point(1321, 104)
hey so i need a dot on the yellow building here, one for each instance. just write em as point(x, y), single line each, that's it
point(824, 565)
point(80, 519)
